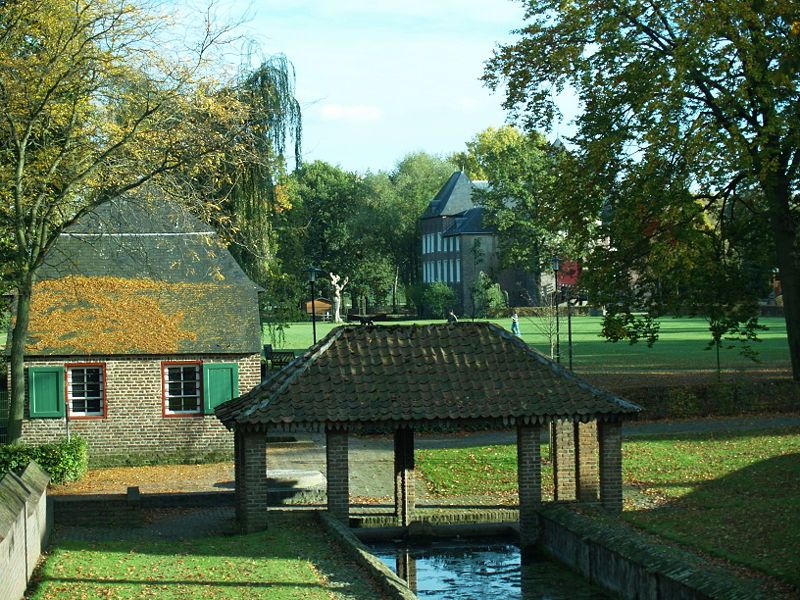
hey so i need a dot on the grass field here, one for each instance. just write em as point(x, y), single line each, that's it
point(681, 347)
point(733, 496)
point(290, 561)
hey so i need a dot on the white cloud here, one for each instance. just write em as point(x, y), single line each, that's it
point(352, 113)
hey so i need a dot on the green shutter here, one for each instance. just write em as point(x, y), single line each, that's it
point(220, 383)
point(46, 391)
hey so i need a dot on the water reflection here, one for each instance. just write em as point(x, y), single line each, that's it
point(485, 570)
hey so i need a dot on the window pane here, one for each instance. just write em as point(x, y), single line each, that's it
point(183, 388)
point(85, 390)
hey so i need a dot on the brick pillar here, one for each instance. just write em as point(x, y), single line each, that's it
point(588, 461)
point(338, 475)
point(529, 480)
point(564, 460)
point(610, 434)
point(404, 489)
point(252, 502)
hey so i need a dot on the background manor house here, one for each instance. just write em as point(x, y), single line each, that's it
point(457, 246)
point(141, 324)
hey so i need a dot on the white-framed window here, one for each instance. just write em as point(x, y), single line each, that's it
point(181, 388)
point(441, 270)
point(458, 243)
point(458, 270)
point(86, 390)
point(439, 241)
point(448, 272)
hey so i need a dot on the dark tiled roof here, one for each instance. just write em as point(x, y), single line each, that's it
point(475, 372)
point(455, 197)
point(470, 221)
point(161, 264)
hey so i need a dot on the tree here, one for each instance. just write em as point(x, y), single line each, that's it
point(333, 223)
point(252, 178)
point(691, 125)
point(416, 178)
point(520, 201)
point(479, 159)
point(91, 111)
point(544, 316)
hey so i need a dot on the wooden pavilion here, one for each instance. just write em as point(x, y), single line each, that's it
point(407, 379)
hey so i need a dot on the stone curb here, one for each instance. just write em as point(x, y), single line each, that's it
point(580, 541)
point(392, 584)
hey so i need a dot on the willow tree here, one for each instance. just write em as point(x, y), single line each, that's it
point(691, 123)
point(253, 192)
point(92, 105)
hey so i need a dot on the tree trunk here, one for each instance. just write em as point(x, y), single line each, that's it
point(19, 335)
point(784, 233)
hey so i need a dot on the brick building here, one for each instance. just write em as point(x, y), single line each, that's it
point(141, 324)
point(457, 246)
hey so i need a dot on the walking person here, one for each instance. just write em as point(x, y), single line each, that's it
point(515, 324)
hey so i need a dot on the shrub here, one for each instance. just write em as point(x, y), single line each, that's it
point(65, 460)
point(683, 403)
point(486, 296)
point(438, 298)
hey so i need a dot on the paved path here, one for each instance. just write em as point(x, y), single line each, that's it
point(371, 458)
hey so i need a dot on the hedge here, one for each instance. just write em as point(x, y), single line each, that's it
point(714, 399)
point(65, 460)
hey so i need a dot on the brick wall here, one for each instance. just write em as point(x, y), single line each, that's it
point(564, 466)
point(529, 480)
point(134, 423)
point(336, 447)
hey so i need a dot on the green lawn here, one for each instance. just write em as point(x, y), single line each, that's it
point(733, 496)
point(292, 560)
point(681, 346)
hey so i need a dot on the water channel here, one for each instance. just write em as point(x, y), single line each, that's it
point(481, 570)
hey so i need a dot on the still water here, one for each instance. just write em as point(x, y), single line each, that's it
point(481, 570)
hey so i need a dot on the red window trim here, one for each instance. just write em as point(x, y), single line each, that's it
point(169, 363)
point(70, 416)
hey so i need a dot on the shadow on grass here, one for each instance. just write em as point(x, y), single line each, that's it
point(750, 516)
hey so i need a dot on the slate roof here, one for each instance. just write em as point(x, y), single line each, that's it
point(165, 267)
point(470, 221)
point(374, 378)
point(454, 197)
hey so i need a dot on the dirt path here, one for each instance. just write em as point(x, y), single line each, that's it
point(370, 459)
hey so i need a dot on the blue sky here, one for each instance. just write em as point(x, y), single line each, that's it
point(379, 79)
